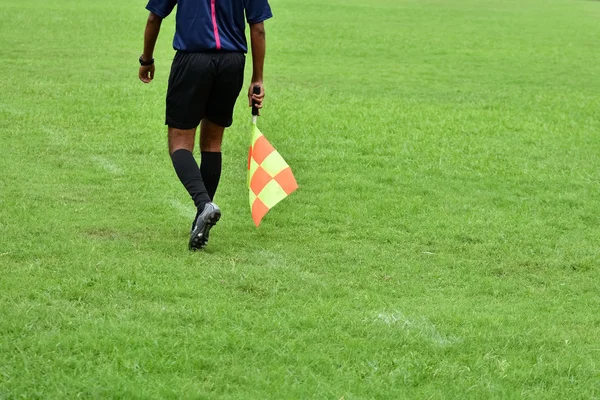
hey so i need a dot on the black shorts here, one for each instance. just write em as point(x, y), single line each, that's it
point(204, 85)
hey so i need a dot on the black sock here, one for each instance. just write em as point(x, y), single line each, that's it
point(210, 167)
point(189, 174)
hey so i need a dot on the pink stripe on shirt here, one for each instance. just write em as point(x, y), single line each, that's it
point(213, 10)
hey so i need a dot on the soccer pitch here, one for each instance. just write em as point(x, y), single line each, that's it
point(443, 243)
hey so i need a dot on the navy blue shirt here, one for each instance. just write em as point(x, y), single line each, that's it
point(205, 25)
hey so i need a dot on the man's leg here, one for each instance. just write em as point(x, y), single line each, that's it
point(211, 137)
point(190, 83)
point(225, 89)
point(181, 146)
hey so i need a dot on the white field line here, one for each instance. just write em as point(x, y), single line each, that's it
point(187, 211)
point(58, 138)
point(107, 165)
point(11, 110)
point(48, 130)
point(420, 326)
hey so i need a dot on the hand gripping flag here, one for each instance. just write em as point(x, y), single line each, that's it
point(270, 178)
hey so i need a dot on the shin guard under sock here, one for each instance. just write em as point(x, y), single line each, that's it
point(189, 174)
point(210, 168)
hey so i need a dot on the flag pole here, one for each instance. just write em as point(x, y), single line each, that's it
point(255, 90)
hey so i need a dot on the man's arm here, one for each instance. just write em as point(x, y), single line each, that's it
point(258, 43)
point(146, 73)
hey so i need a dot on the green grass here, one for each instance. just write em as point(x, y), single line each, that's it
point(443, 243)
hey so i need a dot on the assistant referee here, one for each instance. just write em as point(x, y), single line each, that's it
point(206, 78)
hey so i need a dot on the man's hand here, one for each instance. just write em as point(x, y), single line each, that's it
point(256, 99)
point(147, 73)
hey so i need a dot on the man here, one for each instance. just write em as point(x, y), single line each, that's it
point(206, 78)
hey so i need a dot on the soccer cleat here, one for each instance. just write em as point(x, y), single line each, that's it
point(209, 216)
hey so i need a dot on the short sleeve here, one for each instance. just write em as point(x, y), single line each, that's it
point(257, 11)
point(162, 8)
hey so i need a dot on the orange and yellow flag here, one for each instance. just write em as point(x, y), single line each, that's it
point(270, 178)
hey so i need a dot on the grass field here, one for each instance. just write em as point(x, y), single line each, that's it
point(443, 243)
